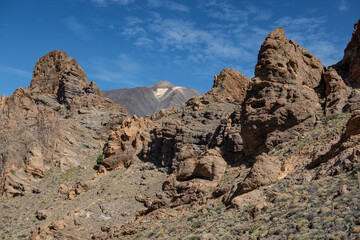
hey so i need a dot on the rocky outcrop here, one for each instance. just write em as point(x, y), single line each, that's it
point(45, 125)
point(265, 170)
point(229, 86)
point(210, 166)
point(281, 102)
point(349, 66)
point(143, 101)
point(343, 96)
point(58, 74)
point(336, 92)
point(227, 137)
point(283, 61)
point(194, 181)
point(127, 142)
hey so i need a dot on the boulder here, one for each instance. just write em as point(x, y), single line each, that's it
point(210, 166)
point(127, 142)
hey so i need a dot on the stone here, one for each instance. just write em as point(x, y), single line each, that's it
point(41, 126)
point(54, 71)
point(281, 102)
point(42, 214)
point(265, 171)
point(229, 86)
point(127, 142)
point(283, 61)
point(349, 67)
point(337, 92)
point(210, 166)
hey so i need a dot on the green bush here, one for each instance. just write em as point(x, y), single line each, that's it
point(100, 159)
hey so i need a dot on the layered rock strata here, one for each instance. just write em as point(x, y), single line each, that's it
point(54, 122)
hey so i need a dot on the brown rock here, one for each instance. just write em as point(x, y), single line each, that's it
point(127, 142)
point(276, 113)
point(265, 170)
point(281, 103)
point(42, 214)
point(343, 156)
point(285, 62)
point(255, 198)
point(56, 72)
point(210, 166)
point(336, 92)
point(349, 66)
point(229, 86)
point(227, 137)
point(42, 126)
point(194, 182)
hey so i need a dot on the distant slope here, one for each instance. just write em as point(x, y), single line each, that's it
point(148, 100)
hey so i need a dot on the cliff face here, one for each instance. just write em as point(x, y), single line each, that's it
point(260, 145)
point(41, 125)
point(143, 101)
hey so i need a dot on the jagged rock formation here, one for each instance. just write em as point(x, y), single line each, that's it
point(143, 101)
point(349, 66)
point(343, 155)
point(282, 102)
point(42, 126)
point(229, 86)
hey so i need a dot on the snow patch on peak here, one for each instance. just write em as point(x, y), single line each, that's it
point(159, 92)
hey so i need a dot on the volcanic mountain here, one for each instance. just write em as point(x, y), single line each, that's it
point(143, 101)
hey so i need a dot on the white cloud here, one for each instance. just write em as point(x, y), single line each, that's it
point(143, 41)
point(223, 10)
point(15, 71)
point(73, 24)
point(105, 3)
point(343, 6)
point(171, 5)
point(302, 23)
point(133, 30)
point(131, 21)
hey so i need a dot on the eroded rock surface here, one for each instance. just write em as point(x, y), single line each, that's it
point(54, 122)
point(349, 66)
point(281, 103)
point(229, 86)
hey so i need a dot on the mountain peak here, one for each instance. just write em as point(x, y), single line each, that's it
point(52, 68)
point(162, 84)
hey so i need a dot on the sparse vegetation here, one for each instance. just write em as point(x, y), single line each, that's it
point(160, 235)
point(331, 117)
point(69, 173)
point(100, 159)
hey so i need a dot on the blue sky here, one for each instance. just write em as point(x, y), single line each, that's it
point(130, 43)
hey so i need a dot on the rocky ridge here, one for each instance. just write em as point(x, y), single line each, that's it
point(58, 121)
